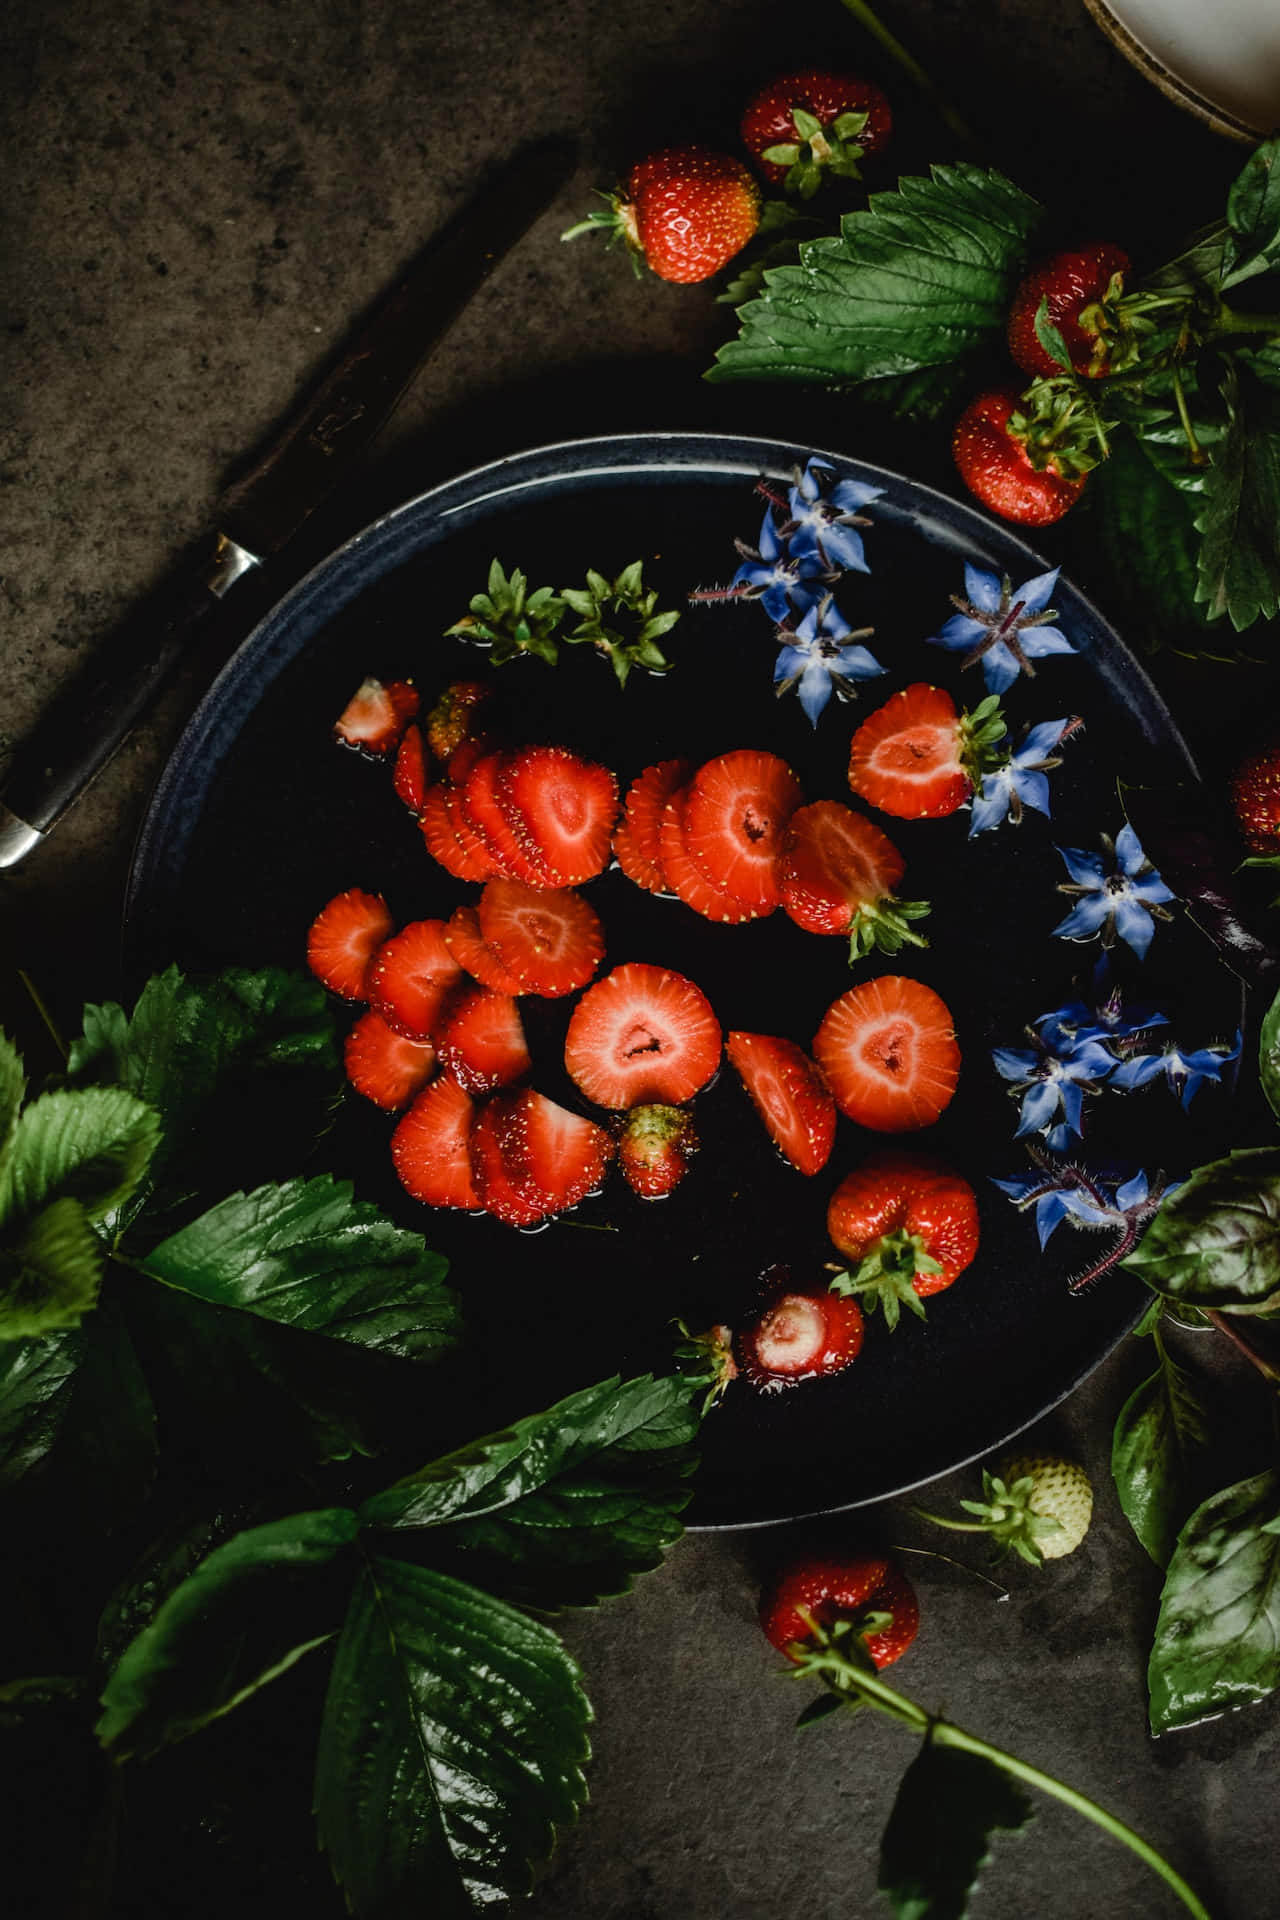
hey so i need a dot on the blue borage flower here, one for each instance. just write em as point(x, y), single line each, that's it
point(1005, 627)
point(823, 519)
point(1107, 1018)
point(1053, 1074)
point(821, 657)
point(1185, 1072)
point(783, 582)
point(1059, 1190)
point(1117, 893)
point(1021, 781)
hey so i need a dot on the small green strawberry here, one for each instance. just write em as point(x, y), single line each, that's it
point(1038, 1506)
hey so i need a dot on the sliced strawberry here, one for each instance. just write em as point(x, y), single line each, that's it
point(735, 822)
point(464, 757)
point(473, 953)
point(481, 1040)
point(562, 808)
point(443, 827)
point(412, 977)
point(503, 1191)
point(554, 1157)
point(642, 1034)
point(687, 880)
point(888, 1052)
point(431, 1147)
point(386, 1066)
point(637, 838)
point(483, 809)
point(456, 716)
point(838, 876)
point(344, 938)
point(655, 1150)
point(789, 1095)
point(411, 778)
point(547, 937)
point(906, 758)
point(375, 717)
point(799, 1336)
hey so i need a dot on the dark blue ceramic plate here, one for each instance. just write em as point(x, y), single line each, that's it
point(259, 819)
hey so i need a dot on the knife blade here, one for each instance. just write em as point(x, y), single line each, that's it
point(76, 736)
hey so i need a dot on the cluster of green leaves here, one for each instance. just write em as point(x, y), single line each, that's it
point(905, 304)
point(619, 618)
point(1211, 1255)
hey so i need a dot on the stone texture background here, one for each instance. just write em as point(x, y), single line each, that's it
point(198, 200)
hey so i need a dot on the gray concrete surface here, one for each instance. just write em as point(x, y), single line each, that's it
point(197, 199)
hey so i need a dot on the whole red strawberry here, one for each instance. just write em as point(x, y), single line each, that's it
point(1001, 466)
point(686, 211)
point(803, 125)
point(823, 1589)
point(1077, 288)
point(1255, 798)
point(908, 1229)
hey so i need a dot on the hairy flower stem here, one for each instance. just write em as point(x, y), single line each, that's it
point(855, 1687)
point(932, 92)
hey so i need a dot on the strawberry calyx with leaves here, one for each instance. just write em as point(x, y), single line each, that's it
point(1006, 1512)
point(620, 619)
point(510, 620)
point(833, 148)
point(1059, 424)
point(981, 737)
point(887, 1274)
point(618, 221)
point(884, 926)
point(706, 1359)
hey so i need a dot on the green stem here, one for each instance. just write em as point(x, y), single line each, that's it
point(1195, 452)
point(1222, 1321)
point(863, 14)
point(955, 1526)
point(1227, 320)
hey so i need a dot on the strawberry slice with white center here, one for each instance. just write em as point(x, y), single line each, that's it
point(481, 803)
point(547, 937)
point(685, 877)
point(502, 1188)
point(642, 1034)
point(838, 876)
point(344, 938)
point(918, 758)
point(790, 1096)
point(412, 977)
point(481, 1040)
point(735, 821)
point(385, 1066)
point(474, 954)
point(450, 840)
point(431, 1147)
point(375, 717)
point(562, 808)
point(555, 1158)
point(411, 778)
point(637, 838)
point(799, 1336)
point(888, 1052)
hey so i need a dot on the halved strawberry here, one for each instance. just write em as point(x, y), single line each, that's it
point(455, 717)
point(497, 1179)
point(838, 876)
point(918, 758)
point(411, 978)
point(655, 1149)
point(482, 807)
point(344, 938)
point(431, 1147)
point(637, 838)
point(411, 778)
point(553, 1156)
point(375, 717)
point(473, 953)
point(563, 809)
point(735, 821)
point(686, 879)
point(386, 1066)
point(443, 829)
point(481, 1040)
point(641, 1034)
point(799, 1336)
point(789, 1095)
point(547, 937)
point(888, 1052)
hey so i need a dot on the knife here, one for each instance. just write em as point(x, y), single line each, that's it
point(76, 736)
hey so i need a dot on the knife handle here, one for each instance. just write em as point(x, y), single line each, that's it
point(76, 736)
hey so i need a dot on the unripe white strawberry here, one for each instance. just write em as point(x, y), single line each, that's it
point(1038, 1506)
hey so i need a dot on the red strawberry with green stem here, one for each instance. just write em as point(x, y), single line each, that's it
point(826, 1591)
point(804, 125)
point(790, 1096)
point(888, 1052)
point(1027, 469)
point(1078, 294)
point(686, 211)
point(908, 1229)
point(655, 1148)
point(919, 758)
point(838, 873)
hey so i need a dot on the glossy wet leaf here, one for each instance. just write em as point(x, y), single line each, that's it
point(36, 1380)
point(1217, 1641)
point(1145, 528)
point(1269, 1056)
point(453, 1742)
point(938, 1839)
point(92, 1145)
point(13, 1083)
point(1239, 562)
point(249, 1612)
point(50, 1268)
point(1216, 1241)
point(102, 1463)
point(567, 1506)
point(1253, 217)
point(1160, 1438)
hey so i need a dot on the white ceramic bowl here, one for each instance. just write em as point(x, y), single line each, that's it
point(1218, 58)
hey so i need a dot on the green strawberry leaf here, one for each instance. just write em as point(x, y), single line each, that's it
point(1158, 1446)
point(25, 1703)
point(938, 1838)
point(1216, 1240)
point(308, 1255)
point(13, 1084)
point(1253, 217)
point(1050, 338)
point(92, 1145)
point(166, 1564)
point(567, 1506)
point(243, 1069)
point(1217, 1640)
point(50, 1271)
point(919, 279)
point(1145, 527)
point(1239, 565)
point(453, 1742)
point(36, 1389)
point(1269, 1056)
point(248, 1613)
